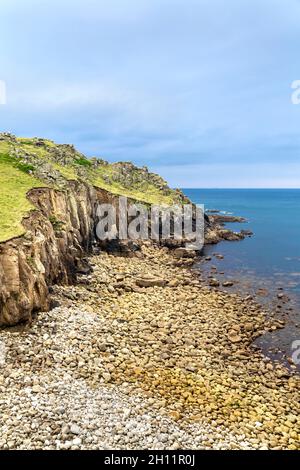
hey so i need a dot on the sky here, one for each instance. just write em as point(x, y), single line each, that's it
point(197, 90)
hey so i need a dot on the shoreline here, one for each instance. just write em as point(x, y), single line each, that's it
point(277, 303)
point(277, 300)
point(174, 348)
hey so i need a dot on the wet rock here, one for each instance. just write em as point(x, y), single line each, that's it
point(227, 283)
point(230, 236)
point(283, 297)
point(151, 282)
point(263, 292)
point(214, 282)
point(247, 233)
point(224, 219)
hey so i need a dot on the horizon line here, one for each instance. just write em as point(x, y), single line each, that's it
point(219, 188)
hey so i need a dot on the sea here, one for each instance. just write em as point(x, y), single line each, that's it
point(265, 265)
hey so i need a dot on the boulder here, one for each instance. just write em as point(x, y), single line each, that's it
point(184, 253)
point(150, 282)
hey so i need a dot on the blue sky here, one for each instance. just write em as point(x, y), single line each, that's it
point(198, 90)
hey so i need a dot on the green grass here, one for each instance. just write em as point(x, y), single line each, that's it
point(67, 172)
point(83, 162)
point(57, 224)
point(25, 167)
point(14, 205)
point(27, 145)
point(141, 191)
point(16, 180)
point(5, 147)
point(30, 141)
point(149, 194)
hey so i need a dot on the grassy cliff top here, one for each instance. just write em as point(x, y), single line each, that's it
point(27, 163)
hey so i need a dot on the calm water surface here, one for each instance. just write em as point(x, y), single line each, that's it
point(269, 260)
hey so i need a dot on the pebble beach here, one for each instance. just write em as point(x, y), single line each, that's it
point(142, 354)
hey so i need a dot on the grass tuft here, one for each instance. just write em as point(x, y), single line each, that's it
point(14, 205)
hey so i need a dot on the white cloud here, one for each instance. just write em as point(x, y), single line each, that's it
point(165, 80)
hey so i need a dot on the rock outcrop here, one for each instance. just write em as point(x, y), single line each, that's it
point(60, 231)
point(58, 236)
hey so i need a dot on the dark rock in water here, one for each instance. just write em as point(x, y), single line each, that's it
point(283, 297)
point(208, 258)
point(214, 282)
point(218, 256)
point(224, 219)
point(262, 292)
point(227, 283)
point(247, 233)
point(231, 236)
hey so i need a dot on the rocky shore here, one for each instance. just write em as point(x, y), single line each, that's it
point(48, 216)
point(141, 354)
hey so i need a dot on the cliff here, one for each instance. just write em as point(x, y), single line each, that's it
point(49, 196)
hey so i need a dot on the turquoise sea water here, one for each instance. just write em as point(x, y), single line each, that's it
point(271, 258)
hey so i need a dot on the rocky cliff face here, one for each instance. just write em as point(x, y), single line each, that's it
point(59, 232)
point(58, 236)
